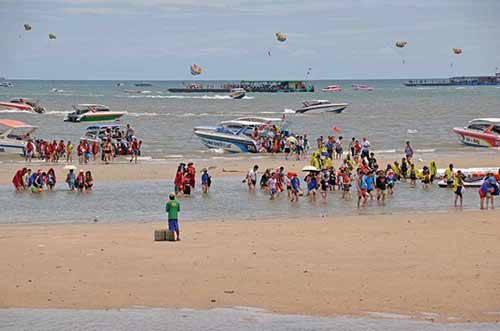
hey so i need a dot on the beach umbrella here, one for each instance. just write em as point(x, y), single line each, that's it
point(69, 167)
point(310, 168)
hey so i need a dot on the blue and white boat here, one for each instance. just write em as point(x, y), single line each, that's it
point(226, 139)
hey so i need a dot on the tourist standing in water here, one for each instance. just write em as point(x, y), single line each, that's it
point(458, 187)
point(172, 209)
point(251, 178)
point(408, 152)
point(206, 181)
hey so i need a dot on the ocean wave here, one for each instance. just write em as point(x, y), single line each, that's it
point(147, 114)
point(57, 112)
point(202, 97)
point(429, 150)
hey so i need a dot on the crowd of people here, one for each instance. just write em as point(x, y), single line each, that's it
point(37, 181)
point(185, 179)
point(360, 170)
point(112, 143)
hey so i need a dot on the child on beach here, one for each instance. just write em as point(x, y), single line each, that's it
point(80, 181)
point(273, 186)
point(206, 181)
point(426, 177)
point(50, 180)
point(312, 186)
point(346, 185)
point(361, 187)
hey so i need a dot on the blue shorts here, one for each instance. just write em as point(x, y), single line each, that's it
point(173, 225)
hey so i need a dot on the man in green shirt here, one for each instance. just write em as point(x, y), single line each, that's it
point(173, 208)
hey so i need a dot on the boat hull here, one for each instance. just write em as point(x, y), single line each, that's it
point(477, 138)
point(237, 95)
point(322, 109)
point(11, 147)
point(94, 118)
point(236, 144)
point(15, 106)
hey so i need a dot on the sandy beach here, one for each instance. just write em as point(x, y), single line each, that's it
point(235, 166)
point(442, 266)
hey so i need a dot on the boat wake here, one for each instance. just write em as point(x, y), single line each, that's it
point(203, 97)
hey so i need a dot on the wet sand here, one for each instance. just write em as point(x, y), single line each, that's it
point(440, 266)
point(122, 170)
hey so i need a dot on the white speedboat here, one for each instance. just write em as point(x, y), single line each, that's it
point(237, 93)
point(230, 141)
point(23, 104)
point(361, 87)
point(14, 135)
point(6, 84)
point(248, 123)
point(321, 106)
point(92, 113)
point(480, 132)
point(332, 88)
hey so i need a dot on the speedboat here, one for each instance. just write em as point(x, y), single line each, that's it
point(23, 104)
point(247, 123)
point(332, 88)
point(237, 93)
point(14, 135)
point(98, 132)
point(6, 84)
point(228, 140)
point(92, 113)
point(480, 132)
point(361, 87)
point(316, 106)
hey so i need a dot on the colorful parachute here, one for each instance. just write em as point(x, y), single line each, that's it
point(52, 36)
point(457, 51)
point(195, 70)
point(27, 27)
point(401, 43)
point(280, 36)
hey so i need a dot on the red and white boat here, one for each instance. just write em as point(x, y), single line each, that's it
point(332, 88)
point(22, 105)
point(480, 132)
point(361, 87)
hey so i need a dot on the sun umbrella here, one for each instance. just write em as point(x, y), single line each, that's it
point(310, 168)
point(69, 167)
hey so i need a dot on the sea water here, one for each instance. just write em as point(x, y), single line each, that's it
point(389, 115)
point(228, 199)
point(220, 319)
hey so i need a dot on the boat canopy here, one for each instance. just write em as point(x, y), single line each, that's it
point(486, 120)
point(103, 126)
point(15, 124)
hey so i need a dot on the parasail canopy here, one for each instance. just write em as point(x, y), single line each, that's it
point(195, 70)
point(457, 51)
point(280, 36)
point(52, 36)
point(401, 43)
point(27, 27)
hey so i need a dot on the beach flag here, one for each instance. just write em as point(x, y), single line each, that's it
point(335, 129)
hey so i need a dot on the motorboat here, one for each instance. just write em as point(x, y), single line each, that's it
point(226, 139)
point(332, 88)
point(136, 91)
point(23, 104)
point(92, 113)
point(361, 87)
point(237, 93)
point(480, 132)
point(14, 135)
point(98, 132)
point(247, 123)
point(143, 84)
point(6, 84)
point(317, 106)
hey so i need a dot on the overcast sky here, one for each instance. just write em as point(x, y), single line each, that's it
point(230, 39)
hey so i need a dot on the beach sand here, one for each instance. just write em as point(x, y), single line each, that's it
point(235, 166)
point(443, 266)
